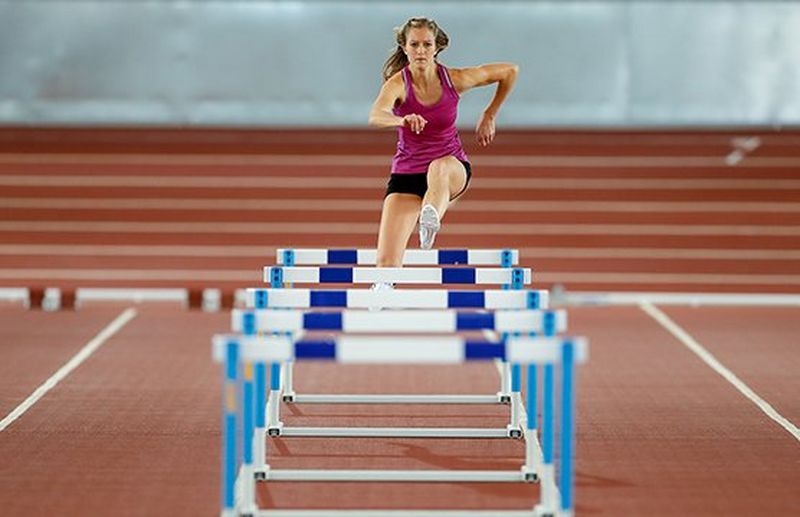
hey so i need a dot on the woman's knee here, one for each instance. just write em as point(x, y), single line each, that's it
point(439, 171)
point(389, 257)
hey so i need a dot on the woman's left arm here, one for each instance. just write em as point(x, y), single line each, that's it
point(505, 75)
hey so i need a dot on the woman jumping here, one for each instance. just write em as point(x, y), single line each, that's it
point(430, 169)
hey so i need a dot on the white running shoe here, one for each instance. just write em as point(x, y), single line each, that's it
point(378, 288)
point(428, 226)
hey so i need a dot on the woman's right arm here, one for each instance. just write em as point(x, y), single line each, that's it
point(381, 116)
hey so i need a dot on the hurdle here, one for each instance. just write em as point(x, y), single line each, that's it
point(287, 314)
point(276, 321)
point(239, 353)
point(510, 277)
point(422, 299)
point(368, 257)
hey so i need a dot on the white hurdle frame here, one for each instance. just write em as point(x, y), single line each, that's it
point(506, 258)
point(514, 278)
point(239, 353)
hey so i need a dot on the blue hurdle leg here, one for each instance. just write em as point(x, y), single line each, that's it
point(548, 504)
point(229, 457)
point(514, 427)
point(533, 458)
point(274, 424)
point(248, 426)
point(566, 474)
point(259, 443)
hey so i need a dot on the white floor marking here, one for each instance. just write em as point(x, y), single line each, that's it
point(371, 228)
point(371, 183)
point(718, 367)
point(383, 160)
point(369, 205)
point(77, 359)
point(268, 252)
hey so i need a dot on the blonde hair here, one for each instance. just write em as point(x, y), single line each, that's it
point(398, 59)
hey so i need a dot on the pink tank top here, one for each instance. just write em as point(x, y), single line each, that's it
point(440, 136)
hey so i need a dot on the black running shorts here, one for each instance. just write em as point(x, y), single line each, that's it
point(417, 183)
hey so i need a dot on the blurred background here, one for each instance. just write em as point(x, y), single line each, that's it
point(317, 63)
point(647, 145)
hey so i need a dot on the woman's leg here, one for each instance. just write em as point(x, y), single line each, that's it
point(447, 177)
point(398, 218)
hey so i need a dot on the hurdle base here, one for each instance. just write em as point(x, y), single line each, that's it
point(276, 429)
point(529, 475)
point(374, 475)
point(389, 432)
point(514, 431)
point(540, 511)
point(393, 399)
point(289, 397)
point(503, 398)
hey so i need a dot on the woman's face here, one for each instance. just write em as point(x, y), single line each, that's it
point(420, 47)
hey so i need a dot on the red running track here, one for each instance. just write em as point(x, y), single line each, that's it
point(136, 427)
point(604, 210)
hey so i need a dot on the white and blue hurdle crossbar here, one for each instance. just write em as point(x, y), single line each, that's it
point(264, 298)
point(547, 322)
point(368, 257)
point(242, 355)
point(276, 276)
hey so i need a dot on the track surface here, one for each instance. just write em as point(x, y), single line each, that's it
point(134, 430)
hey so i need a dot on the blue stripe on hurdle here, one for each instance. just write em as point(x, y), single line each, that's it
point(458, 275)
point(534, 300)
point(517, 278)
point(229, 480)
point(516, 378)
point(328, 298)
point(276, 277)
point(466, 299)
point(549, 323)
point(547, 415)
point(342, 256)
point(340, 275)
point(248, 323)
point(453, 257)
point(261, 394)
point(474, 320)
point(532, 400)
point(567, 423)
point(309, 349)
point(231, 359)
point(481, 350)
point(288, 257)
point(322, 321)
point(261, 298)
point(275, 376)
point(248, 424)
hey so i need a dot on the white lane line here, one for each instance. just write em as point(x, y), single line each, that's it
point(268, 252)
point(369, 205)
point(90, 347)
point(356, 182)
point(718, 367)
point(353, 228)
point(373, 160)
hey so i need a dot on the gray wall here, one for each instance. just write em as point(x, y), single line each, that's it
point(317, 63)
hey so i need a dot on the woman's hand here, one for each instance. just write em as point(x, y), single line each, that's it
point(414, 122)
point(484, 132)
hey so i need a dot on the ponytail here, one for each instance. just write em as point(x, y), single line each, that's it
point(396, 62)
